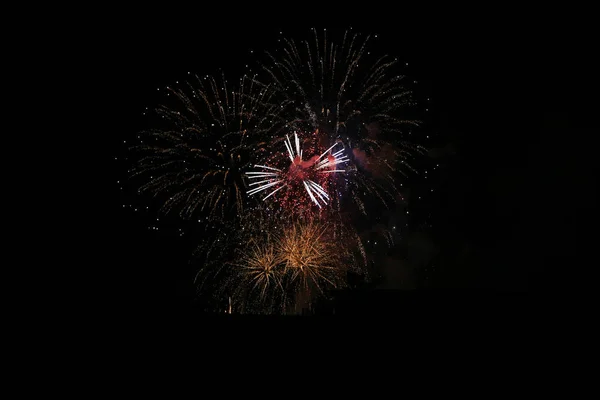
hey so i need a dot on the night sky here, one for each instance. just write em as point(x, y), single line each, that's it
point(510, 187)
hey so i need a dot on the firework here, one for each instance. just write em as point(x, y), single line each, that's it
point(237, 260)
point(310, 257)
point(317, 137)
point(300, 173)
point(260, 266)
point(257, 274)
point(269, 261)
point(192, 161)
point(343, 93)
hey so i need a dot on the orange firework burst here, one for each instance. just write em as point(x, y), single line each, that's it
point(273, 261)
point(312, 260)
point(260, 268)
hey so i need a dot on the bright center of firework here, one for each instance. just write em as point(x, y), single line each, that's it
point(303, 172)
point(300, 170)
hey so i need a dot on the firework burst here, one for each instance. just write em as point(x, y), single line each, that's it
point(193, 162)
point(257, 277)
point(342, 92)
point(311, 175)
point(310, 256)
point(270, 261)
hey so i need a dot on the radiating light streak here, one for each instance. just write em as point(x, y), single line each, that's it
point(289, 149)
point(319, 191)
point(258, 183)
point(329, 164)
point(264, 166)
point(335, 144)
point(262, 176)
point(337, 153)
point(320, 195)
point(319, 188)
point(310, 194)
point(260, 189)
point(275, 191)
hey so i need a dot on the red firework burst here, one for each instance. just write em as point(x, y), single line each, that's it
point(303, 179)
